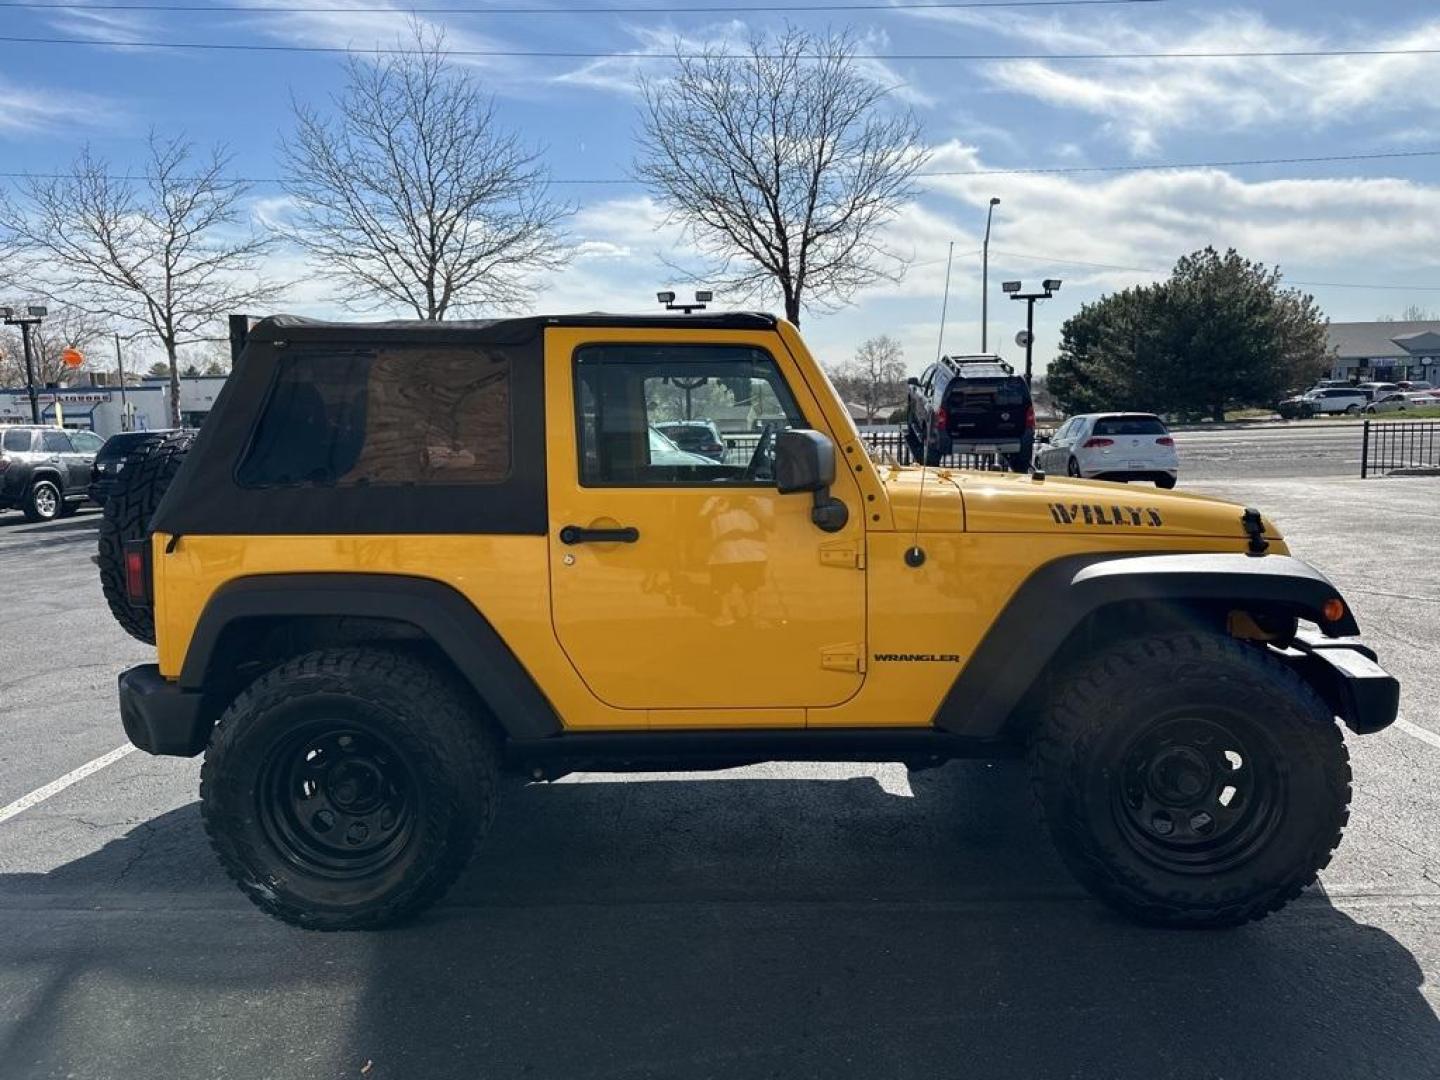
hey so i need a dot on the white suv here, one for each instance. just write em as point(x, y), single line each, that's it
point(1338, 399)
point(1112, 446)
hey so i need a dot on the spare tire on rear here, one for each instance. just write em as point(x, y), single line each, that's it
point(146, 473)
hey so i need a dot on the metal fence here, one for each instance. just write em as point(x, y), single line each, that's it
point(1388, 446)
point(888, 444)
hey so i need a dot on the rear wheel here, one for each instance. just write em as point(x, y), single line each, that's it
point(1165, 481)
point(144, 477)
point(1072, 468)
point(347, 788)
point(1191, 780)
point(43, 502)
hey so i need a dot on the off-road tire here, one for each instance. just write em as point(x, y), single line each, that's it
point(419, 715)
point(1079, 765)
point(43, 502)
point(148, 470)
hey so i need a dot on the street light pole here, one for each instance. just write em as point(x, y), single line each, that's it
point(31, 318)
point(1049, 287)
point(985, 280)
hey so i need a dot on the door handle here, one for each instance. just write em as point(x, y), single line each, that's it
point(574, 534)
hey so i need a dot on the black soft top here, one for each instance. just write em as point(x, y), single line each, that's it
point(515, 331)
point(207, 496)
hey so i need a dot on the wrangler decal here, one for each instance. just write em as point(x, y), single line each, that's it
point(911, 657)
point(1095, 514)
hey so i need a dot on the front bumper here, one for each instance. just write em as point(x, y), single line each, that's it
point(1362, 693)
point(159, 717)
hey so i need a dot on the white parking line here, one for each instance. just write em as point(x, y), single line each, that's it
point(39, 795)
point(1418, 731)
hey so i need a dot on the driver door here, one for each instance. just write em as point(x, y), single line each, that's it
point(680, 585)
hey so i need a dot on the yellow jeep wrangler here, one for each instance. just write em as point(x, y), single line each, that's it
point(403, 558)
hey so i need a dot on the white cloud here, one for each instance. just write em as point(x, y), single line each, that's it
point(622, 74)
point(36, 110)
point(1140, 101)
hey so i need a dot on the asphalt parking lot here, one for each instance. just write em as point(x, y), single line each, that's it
point(784, 921)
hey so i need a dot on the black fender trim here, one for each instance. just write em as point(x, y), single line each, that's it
point(1057, 597)
point(460, 631)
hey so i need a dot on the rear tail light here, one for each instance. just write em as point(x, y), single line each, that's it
point(940, 418)
point(1029, 417)
point(1091, 444)
point(137, 572)
point(1165, 440)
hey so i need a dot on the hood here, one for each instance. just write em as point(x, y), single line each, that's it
point(943, 508)
point(1016, 503)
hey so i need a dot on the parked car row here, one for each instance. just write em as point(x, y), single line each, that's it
point(1331, 396)
point(49, 472)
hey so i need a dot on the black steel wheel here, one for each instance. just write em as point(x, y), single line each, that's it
point(1190, 779)
point(1198, 794)
point(347, 788)
point(337, 799)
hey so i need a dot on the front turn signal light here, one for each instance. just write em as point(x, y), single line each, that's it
point(1333, 609)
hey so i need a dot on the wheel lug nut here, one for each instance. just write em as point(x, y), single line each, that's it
point(323, 820)
point(1201, 821)
point(357, 833)
point(1162, 825)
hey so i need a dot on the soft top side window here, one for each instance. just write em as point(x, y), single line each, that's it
point(391, 418)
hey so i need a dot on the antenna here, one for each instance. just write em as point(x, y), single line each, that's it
point(915, 554)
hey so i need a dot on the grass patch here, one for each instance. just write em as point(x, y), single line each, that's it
point(1429, 412)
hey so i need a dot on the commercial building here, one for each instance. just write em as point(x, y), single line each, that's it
point(103, 409)
point(1385, 351)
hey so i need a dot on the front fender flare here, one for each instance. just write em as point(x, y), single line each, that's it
point(1060, 595)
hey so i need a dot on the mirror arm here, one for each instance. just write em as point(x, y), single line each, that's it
point(827, 513)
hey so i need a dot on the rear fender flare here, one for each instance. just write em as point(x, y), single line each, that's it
point(1057, 598)
point(479, 654)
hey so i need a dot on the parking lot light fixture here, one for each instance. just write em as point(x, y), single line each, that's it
point(1048, 289)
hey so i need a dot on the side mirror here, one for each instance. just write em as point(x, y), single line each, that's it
point(912, 381)
point(805, 461)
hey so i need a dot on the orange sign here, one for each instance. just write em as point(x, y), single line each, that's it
point(72, 357)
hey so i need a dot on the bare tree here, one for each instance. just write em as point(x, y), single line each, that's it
point(1412, 313)
point(64, 326)
point(414, 196)
point(875, 377)
point(780, 166)
point(168, 254)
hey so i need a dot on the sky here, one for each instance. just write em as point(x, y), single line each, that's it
point(1362, 236)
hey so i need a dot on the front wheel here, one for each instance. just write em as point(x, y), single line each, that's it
point(346, 789)
point(43, 503)
point(1191, 780)
point(1072, 468)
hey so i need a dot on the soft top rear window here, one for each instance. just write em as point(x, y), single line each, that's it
point(1129, 425)
point(389, 418)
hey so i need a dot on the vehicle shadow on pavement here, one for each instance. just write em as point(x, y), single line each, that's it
point(86, 518)
point(737, 926)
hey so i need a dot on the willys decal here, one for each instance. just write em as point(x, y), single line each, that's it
point(1096, 514)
